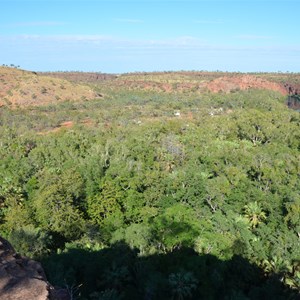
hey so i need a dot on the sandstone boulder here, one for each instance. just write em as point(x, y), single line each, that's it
point(22, 278)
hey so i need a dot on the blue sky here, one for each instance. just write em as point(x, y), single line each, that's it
point(118, 36)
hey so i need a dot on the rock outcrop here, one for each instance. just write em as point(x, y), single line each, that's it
point(22, 278)
point(243, 82)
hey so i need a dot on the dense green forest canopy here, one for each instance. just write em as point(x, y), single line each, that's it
point(147, 195)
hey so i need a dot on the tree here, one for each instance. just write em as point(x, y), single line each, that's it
point(56, 203)
point(254, 213)
point(30, 241)
point(293, 213)
point(182, 285)
point(176, 227)
point(106, 205)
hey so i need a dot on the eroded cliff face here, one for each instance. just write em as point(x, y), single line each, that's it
point(24, 279)
point(226, 84)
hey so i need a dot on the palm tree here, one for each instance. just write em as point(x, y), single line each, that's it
point(254, 214)
point(117, 276)
point(182, 284)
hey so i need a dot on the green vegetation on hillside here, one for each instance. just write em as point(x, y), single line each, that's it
point(145, 195)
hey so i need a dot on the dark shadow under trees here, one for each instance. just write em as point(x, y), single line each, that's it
point(119, 272)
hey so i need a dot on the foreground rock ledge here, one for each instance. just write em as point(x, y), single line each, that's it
point(24, 279)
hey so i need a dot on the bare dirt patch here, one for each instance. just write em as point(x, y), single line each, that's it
point(68, 125)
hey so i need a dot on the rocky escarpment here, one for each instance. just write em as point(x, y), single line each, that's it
point(24, 279)
point(243, 82)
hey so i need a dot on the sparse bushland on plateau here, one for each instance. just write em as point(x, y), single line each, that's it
point(152, 194)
